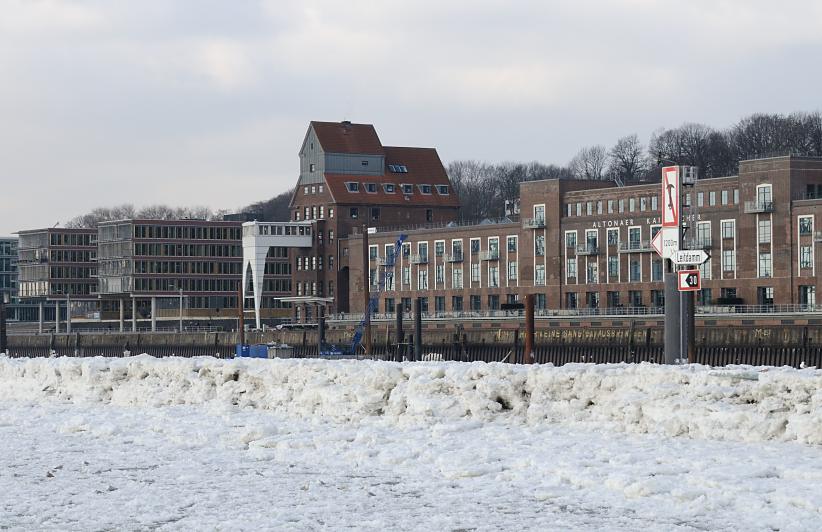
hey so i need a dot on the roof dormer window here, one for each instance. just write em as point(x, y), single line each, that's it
point(365, 163)
point(425, 189)
point(371, 188)
point(442, 190)
point(398, 168)
point(389, 188)
point(407, 189)
point(352, 186)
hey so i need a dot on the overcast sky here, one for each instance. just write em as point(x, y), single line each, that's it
point(197, 102)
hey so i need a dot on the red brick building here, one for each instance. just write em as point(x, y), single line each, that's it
point(348, 179)
point(583, 244)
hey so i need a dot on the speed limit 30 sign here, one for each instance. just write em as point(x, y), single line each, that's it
point(688, 280)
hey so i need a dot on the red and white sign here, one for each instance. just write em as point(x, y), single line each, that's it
point(688, 280)
point(666, 242)
point(670, 196)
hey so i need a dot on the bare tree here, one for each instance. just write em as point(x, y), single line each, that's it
point(627, 159)
point(590, 163)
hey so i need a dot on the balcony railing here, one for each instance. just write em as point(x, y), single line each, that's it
point(489, 255)
point(453, 257)
point(385, 261)
point(588, 249)
point(706, 310)
point(753, 207)
point(635, 246)
point(419, 259)
point(699, 243)
point(533, 223)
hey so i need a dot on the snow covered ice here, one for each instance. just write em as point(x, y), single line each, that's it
point(182, 444)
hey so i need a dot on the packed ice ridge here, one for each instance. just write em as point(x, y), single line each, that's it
point(734, 404)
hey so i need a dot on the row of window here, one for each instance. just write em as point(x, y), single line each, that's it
point(491, 253)
point(454, 281)
point(187, 250)
point(390, 188)
point(640, 204)
point(187, 232)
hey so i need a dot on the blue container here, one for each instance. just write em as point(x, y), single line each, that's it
point(258, 351)
point(242, 350)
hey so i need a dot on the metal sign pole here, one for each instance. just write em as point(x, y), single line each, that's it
point(671, 208)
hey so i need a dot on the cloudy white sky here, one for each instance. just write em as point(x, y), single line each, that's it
point(205, 102)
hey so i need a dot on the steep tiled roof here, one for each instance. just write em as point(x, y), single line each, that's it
point(345, 137)
point(423, 167)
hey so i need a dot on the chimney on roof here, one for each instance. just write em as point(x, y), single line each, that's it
point(346, 125)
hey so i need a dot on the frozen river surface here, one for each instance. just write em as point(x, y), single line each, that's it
point(72, 463)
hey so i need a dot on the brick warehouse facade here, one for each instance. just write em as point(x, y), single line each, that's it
point(587, 245)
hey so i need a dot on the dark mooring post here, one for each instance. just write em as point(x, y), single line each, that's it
point(528, 352)
point(400, 333)
point(320, 329)
point(366, 283)
point(241, 313)
point(672, 316)
point(3, 339)
point(418, 328)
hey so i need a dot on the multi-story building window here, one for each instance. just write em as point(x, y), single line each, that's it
point(440, 274)
point(354, 213)
point(805, 257)
point(589, 208)
point(406, 276)
point(372, 252)
point(764, 195)
point(390, 305)
point(331, 263)
point(475, 302)
point(613, 237)
point(635, 237)
point(422, 251)
point(456, 303)
point(807, 295)
point(764, 295)
point(700, 199)
point(805, 225)
point(571, 239)
point(475, 272)
point(643, 204)
point(512, 270)
point(571, 268)
point(631, 204)
point(764, 231)
point(439, 303)
point(610, 206)
point(622, 205)
point(493, 276)
point(422, 279)
point(712, 198)
point(571, 300)
point(654, 203)
point(406, 304)
point(612, 299)
point(728, 260)
point(439, 248)
point(539, 275)
point(592, 299)
point(705, 269)
point(493, 302)
point(657, 298)
point(539, 246)
point(656, 270)
point(724, 197)
point(703, 297)
point(540, 302)
point(592, 272)
point(539, 213)
point(765, 266)
point(512, 244)
point(736, 196)
point(635, 273)
point(728, 228)
point(456, 249)
point(456, 278)
point(389, 280)
point(613, 267)
point(475, 246)
point(635, 298)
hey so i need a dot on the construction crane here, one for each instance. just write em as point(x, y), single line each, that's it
point(373, 302)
